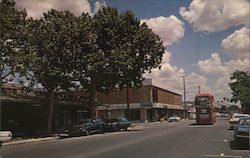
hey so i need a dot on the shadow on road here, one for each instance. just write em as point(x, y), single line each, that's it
point(195, 124)
point(243, 146)
point(125, 131)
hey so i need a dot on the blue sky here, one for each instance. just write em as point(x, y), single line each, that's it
point(205, 40)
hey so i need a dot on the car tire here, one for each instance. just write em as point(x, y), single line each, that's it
point(87, 133)
point(102, 131)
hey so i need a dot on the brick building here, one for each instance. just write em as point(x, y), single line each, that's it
point(149, 103)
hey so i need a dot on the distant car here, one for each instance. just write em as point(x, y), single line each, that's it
point(235, 119)
point(242, 131)
point(5, 136)
point(174, 119)
point(118, 124)
point(217, 114)
point(192, 116)
point(224, 115)
point(87, 127)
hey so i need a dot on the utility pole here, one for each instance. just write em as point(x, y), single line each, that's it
point(184, 90)
point(199, 89)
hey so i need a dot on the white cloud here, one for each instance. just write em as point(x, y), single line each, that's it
point(170, 29)
point(166, 57)
point(170, 77)
point(35, 8)
point(99, 5)
point(237, 44)
point(212, 65)
point(219, 73)
point(212, 16)
point(215, 66)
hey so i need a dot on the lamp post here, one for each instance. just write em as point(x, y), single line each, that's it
point(184, 95)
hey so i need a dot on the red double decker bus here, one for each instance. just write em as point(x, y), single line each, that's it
point(204, 104)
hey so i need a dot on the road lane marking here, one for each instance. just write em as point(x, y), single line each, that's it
point(217, 140)
point(223, 155)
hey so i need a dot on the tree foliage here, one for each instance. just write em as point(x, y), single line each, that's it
point(12, 22)
point(126, 49)
point(130, 48)
point(108, 51)
point(56, 41)
point(240, 85)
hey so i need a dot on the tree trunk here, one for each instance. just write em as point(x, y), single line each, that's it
point(128, 107)
point(51, 110)
point(93, 108)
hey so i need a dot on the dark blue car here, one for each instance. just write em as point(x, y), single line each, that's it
point(118, 124)
point(242, 131)
point(87, 127)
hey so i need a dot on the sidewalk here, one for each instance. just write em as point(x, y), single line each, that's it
point(30, 140)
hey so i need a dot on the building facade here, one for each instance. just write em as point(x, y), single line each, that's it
point(25, 113)
point(148, 103)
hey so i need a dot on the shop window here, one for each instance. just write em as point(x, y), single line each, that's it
point(80, 115)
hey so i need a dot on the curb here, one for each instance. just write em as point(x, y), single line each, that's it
point(25, 141)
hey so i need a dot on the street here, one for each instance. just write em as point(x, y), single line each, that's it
point(151, 140)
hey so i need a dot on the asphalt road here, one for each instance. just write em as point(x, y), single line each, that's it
point(152, 140)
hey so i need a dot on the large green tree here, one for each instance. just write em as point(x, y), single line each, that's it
point(57, 42)
point(12, 21)
point(126, 49)
point(240, 85)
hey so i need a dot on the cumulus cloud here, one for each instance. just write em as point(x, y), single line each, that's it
point(99, 5)
point(212, 65)
point(166, 57)
point(219, 72)
point(36, 8)
point(170, 77)
point(237, 44)
point(170, 29)
point(212, 16)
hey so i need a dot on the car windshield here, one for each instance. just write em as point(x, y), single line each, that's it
point(239, 116)
point(245, 122)
point(82, 122)
point(113, 120)
point(201, 101)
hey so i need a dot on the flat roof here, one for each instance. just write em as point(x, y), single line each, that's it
point(150, 82)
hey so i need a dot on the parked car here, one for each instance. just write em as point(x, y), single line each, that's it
point(5, 136)
point(87, 127)
point(174, 119)
point(118, 124)
point(235, 119)
point(242, 131)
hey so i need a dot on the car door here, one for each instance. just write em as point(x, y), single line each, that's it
point(95, 127)
point(123, 123)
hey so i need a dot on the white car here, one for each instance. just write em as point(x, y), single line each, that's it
point(235, 119)
point(174, 119)
point(5, 136)
point(192, 116)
